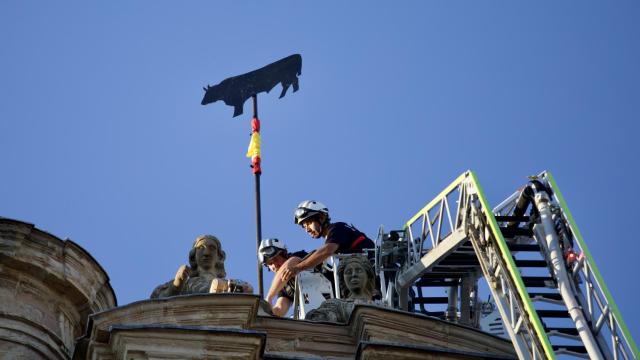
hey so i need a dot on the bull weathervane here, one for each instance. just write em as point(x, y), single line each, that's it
point(234, 91)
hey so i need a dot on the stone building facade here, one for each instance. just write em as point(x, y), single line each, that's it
point(48, 289)
point(56, 303)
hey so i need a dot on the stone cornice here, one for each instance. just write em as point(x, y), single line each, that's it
point(371, 323)
point(223, 310)
point(288, 338)
point(165, 341)
point(374, 350)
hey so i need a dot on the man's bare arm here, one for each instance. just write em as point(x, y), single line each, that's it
point(317, 257)
point(278, 280)
point(281, 307)
point(314, 259)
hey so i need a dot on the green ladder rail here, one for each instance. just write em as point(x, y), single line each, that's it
point(456, 239)
point(599, 325)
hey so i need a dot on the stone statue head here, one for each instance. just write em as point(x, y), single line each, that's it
point(206, 255)
point(357, 279)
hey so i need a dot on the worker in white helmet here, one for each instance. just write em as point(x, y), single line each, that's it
point(340, 238)
point(274, 255)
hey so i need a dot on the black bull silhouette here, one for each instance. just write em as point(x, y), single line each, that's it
point(234, 91)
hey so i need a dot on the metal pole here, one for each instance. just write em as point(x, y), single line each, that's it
point(560, 271)
point(466, 290)
point(452, 308)
point(258, 212)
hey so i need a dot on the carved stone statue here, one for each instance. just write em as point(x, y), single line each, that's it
point(357, 284)
point(204, 274)
point(358, 281)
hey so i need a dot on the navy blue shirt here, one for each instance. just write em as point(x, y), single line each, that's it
point(349, 239)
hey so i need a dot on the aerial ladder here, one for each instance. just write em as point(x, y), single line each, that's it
point(549, 293)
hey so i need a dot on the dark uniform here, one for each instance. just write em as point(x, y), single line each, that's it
point(349, 239)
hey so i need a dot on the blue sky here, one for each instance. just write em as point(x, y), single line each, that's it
point(104, 140)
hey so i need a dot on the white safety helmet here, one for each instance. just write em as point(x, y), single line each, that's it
point(307, 209)
point(270, 248)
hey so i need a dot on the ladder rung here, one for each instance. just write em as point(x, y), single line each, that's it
point(573, 348)
point(431, 300)
point(553, 313)
point(444, 275)
point(513, 232)
point(455, 267)
point(531, 263)
point(538, 281)
point(566, 331)
point(524, 247)
point(459, 259)
point(550, 296)
point(512, 218)
point(469, 262)
point(459, 270)
point(435, 283)
point(461, 256)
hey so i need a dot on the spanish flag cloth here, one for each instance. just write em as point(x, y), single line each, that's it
point(254, 145)
point(253, 151)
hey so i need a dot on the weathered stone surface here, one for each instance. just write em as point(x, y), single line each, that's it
point(182, 342)
point(387, 325)
point(283, 338)
point(48, 287)
point(222, 310)
point(388, 350)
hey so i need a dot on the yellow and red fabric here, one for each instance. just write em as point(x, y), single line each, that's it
point(253, 151)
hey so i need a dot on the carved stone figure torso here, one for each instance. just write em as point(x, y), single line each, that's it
point(206, 260)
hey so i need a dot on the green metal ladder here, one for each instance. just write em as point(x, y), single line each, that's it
point(457, 239)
